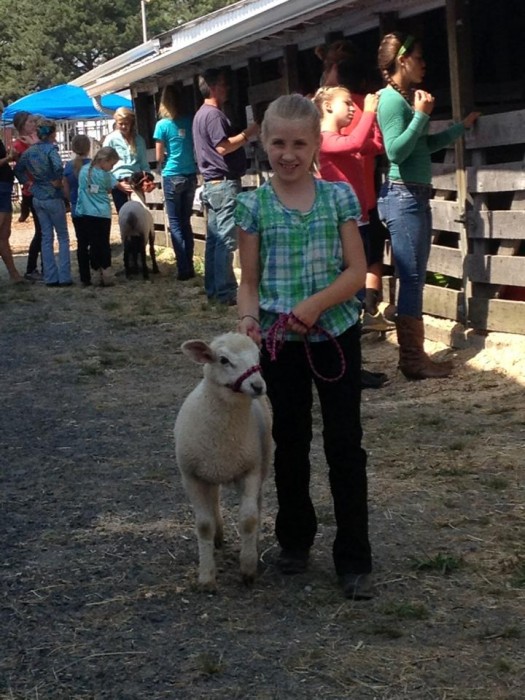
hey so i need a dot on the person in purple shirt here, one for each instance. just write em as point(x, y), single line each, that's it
point(222, 162)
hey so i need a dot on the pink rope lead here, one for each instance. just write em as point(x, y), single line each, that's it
point(275, 341)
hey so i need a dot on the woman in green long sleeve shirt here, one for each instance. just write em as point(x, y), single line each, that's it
point(404, 202)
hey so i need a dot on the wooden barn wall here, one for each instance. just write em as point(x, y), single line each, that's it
point(483, 286)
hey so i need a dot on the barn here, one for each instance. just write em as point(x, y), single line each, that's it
point(473, 49)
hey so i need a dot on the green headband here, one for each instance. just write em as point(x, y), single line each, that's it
point(406, 46)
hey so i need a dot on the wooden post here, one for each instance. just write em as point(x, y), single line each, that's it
point(459, 55)
point(291, 75)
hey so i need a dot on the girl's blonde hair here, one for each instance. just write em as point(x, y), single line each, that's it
point(293, 108)
point(170, 106)
point(127, 114)
point(327, 94)
point(81, 146)
point(106, 154)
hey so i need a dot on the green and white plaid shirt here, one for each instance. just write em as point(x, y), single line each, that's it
point(300, 252)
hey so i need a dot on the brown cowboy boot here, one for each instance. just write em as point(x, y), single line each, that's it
point(413, 360)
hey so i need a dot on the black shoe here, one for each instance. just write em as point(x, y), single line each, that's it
point(52, 284)
point(357, 586)
point(293, 561)
point(372, 380)
point(184, 276)
point(66, 284)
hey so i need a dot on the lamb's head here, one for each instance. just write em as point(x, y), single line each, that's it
point(231, 360)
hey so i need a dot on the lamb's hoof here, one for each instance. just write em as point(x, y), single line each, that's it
point(208, 586)
point(156, 271)
point(248, 580)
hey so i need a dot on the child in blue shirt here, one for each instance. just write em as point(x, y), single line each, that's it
point(93, 210)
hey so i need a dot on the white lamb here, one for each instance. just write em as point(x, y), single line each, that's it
point(137, 229)
point(223, 436)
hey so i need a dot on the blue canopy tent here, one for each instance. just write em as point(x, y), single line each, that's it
point(67, 102)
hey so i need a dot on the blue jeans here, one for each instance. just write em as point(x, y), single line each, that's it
point(289, 380)
point(405, 209)
point(221, 239)
point(179, 191)
point(52, 216)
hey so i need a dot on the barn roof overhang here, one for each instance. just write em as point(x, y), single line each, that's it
point(232, 35)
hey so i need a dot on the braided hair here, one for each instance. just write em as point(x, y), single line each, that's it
point(393, 46)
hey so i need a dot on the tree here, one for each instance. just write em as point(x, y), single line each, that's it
point(48, 42)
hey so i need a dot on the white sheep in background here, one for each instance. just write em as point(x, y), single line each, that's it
point(223, 436)
point(137, 229)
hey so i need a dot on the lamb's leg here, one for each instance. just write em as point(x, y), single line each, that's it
point(219, 522)
point(249, 522)
point(154, 265)
point(204, 498)
point(126, 258)
point(145, 271)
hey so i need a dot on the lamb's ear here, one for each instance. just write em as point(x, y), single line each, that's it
point(198, 351)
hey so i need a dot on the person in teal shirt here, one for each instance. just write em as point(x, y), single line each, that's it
point(93, 212)
point(174, 153)
point(403, 115)
point(132, 153)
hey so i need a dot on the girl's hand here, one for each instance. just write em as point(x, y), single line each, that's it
point(124, 186)
point(249, 326)
point(423, 102)
point(304, 316)
point(470, 119)
point(371, 101)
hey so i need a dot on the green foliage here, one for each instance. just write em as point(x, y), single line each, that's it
point(48, 42)
point(442, 563)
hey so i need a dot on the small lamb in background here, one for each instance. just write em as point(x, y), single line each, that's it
point(223, 436)
point(137, 228)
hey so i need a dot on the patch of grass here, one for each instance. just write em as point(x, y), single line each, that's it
point(511, 632)
point(473, 430)
point(91, 370)
point(457, 445)
point(497, 410)
point(443, 564)
point(503, 665)
point(406, 611)
point(113, 360)
point(497, 483)
point(386, 630)
point(110, 305)
point(451, 471)
point(210, 664)
point(518, 577)
point(432, 420)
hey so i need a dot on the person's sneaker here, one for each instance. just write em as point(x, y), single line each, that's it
point(293, 561)
point(376, 322)
point(34, 276)
point(357, 586)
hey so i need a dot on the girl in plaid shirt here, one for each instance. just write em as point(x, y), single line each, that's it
point(302, 262)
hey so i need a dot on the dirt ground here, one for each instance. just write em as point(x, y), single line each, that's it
point(98, 565)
